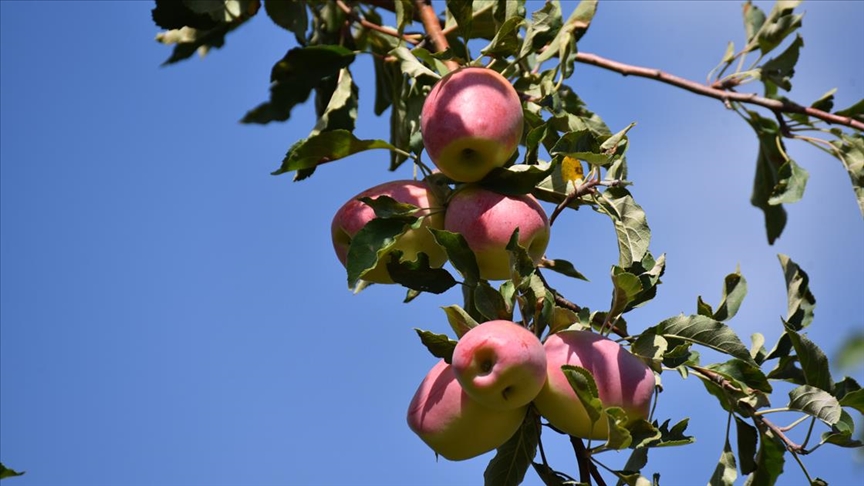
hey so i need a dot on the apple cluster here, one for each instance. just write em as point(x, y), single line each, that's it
point(472, 123)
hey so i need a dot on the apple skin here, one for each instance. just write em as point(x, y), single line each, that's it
point(623, 380)
point(452, 423)
point(354, 215)
point(487, 219)
point(471, 122)
point(500, 364)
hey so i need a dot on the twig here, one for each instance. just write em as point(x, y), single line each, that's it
point(713, 92)
point(561, 301)
point(371, 25)
point(583, 459)
point(433, 29)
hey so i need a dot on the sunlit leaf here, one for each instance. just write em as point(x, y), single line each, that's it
point(816, 402)
point(850, 151)
point(371, 243)
point(460, 321)
point(459, 254)
point(707, 332)
point(800, 301)
point(584, 386)
point(631, 226)
point(564, 267)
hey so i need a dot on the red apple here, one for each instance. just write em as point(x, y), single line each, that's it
point(623, 380)
point(487, 219)
point(354, 215)
point(453, 424)
point(500, 364)
point(471, 122)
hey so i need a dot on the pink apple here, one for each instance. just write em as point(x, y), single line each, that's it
point(623, 380)
point(452, 423)
point(354, 215)
point(471, 122)
point(500, 364)
point(487, 219)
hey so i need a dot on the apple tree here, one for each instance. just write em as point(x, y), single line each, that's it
point(478, 101)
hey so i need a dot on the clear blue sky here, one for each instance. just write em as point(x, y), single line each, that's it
point(172, 314)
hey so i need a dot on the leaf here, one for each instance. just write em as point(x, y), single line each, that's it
point(800, 301)
point(851, 353)
point(387, 207)
point(463, 12)
point(754, 17)
point(544, 26)
point(459, 254)
point(813, 361)
point(744, 373)
point(769, 462)
point(781, 22)
point(582, 145)
point(850, 151)
point(585, 387)
point(9, 473)
point(747, 440)
point(725, 473)
point(564, 44)
point(326, 147)
point(651, 347)
point(734, 291)
point(489, 302)
point(519, 258)
point(340, 113)
point(295, 76)
point(515, 456)
point(625, 287)
point(619, 437)
point(825, 102)
point(371, 243)
point(506, 41)
point(791, 182)
point(290, 15)
point(780, 69)
point(707, 332)
point(674, 436)
point(564, 267)
point(631, 226)
point(854, 400)
point(517, 179)
point(815, 402)
point(460, 321)
point(572, 171)
point(439, 345)
point(404, 10)
point(855, 111)
point(412, 66)
point(418, 275)
point(768, 163)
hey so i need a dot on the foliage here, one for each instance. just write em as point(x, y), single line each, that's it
point(569, 158)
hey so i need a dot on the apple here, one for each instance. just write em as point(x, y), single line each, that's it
point(471, 122)
point(500, 364)
point(487, 219)
point(354, 215)
point(452, 423)
point(623, 380)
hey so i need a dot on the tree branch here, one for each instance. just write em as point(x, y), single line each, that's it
point(433, 29)
point(712, 92)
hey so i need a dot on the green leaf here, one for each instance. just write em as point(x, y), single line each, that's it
point(800, 301)
point(845, 386)
point(408, 98)
point(769, 462)
point(674, 436)
point(371, 243)
point(651, 348)
point(625, 287)
point(516, 179)
point(791, 182)
point(459, 254)
point(585, 387)
point(725, 473)
point(564, 267)
point(619, 436)
point(707, 332)
point(295, 76)
point(404, 10)
point(814, 363)
point(754, 17)
point(387, 207)
point(506, 41)
point(734, 290)
point(747, 440)
point(703, 308)
point(850, 151)
point(463, 12)
point(855, 111)
point(290, 15)
point(744, 373)
point(439, 345)
point(854, 400)
point(544, 26)
point(326, 147)
point(515, 456)
point(582, 145)
point(815, 402)
point(841, 432)
point(8, 473)
point(418, 275)
point(489, 302)
point(825, 102)
point(631, 226)
point(460, 321)
point(340, 113)
point(637, 460)
point(780, 69)
point(771, 157)
point(519, 258)
point(781, 22)
point(412, 66)
point(851, 353)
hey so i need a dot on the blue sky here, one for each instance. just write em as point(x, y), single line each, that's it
point(170, 313)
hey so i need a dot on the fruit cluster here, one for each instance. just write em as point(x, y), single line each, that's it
point(472, 123)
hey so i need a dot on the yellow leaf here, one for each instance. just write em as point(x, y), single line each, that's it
point(571, 170)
